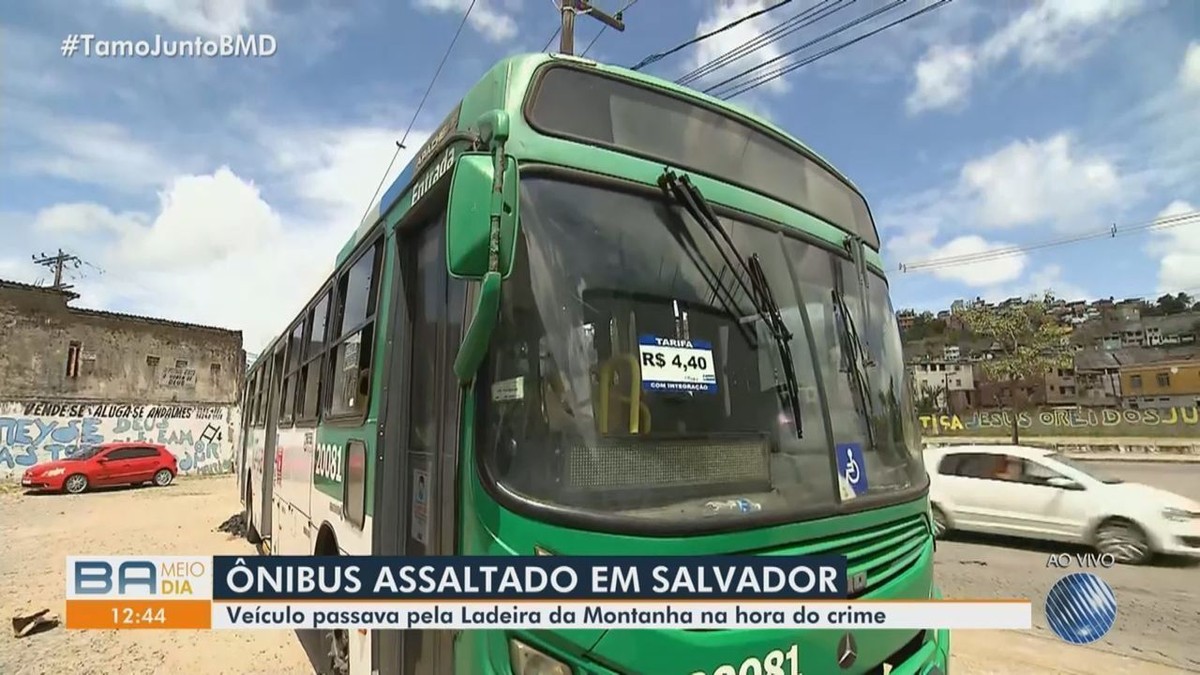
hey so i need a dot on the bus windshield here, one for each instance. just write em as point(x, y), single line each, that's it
point(631, 376)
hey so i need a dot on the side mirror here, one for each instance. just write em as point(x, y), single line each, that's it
point(1063, 483)
point(478, 335)
point(481, 235)
point(474, 202)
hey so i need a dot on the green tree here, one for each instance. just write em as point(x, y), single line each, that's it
point(1031, 343)
point(1171, 304)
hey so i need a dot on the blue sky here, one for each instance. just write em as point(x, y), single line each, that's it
point(218, 190)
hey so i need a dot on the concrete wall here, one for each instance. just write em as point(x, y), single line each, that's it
point(1167, 423)
point(201, 437)
point(49, 350)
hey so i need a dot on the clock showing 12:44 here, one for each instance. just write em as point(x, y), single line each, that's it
point(129, 616)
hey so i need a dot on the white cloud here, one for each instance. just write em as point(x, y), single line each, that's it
point(1189, 72)
point(97, 153)
point(1048, 278)
point(1049, 181)
point(1178, 250)
point(1054, 33)
point(215, 251)
point(943, 79)
point(1049, 36)
point(21, 270)
point(918, 243)
point(987, 272)
point(204, 17)
point(720, 44)
point(215, 254)
point(493, 19)
point(82, 218)
point(336, 170)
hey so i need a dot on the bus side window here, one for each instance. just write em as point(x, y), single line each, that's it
point(260, 395)
point(309, 391)
point(287, 402)
point(353, 333)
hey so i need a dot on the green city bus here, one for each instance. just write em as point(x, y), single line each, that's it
point(598, 314)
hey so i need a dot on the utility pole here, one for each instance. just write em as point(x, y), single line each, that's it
point(57, 262)
point(570, 8)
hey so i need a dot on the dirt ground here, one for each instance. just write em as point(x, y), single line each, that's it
point(38, 532)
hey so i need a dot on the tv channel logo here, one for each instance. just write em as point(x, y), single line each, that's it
point(139, 577)
point(1081, 608)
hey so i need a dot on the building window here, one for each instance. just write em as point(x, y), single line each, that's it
point(73, 350)
point(214, 372)
point(1135, 381)
point(180, 363)
point(152, 361)
point(1163, 379)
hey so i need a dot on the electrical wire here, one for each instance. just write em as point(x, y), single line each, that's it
point(700, 38)
point(765, 78)
point(551, 40)
point(1112, 232)
point(417, 112)
point(800, 20)
point(603, 28)
point(734, 79)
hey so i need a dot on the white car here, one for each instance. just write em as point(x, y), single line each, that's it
point(1037, 493)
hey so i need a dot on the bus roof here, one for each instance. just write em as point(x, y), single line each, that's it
point(527, 63)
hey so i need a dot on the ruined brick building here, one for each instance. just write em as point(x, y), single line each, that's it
point(72, 376)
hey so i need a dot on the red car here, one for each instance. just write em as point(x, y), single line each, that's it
point(122, 463)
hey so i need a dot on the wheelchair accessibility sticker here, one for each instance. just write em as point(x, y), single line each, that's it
point(852, 470)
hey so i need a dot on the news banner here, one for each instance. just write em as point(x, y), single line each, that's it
point(471, 592)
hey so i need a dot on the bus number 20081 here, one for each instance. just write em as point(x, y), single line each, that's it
point(776, 662)
point(329, 462)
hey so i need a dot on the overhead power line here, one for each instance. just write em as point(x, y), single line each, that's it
point(701, 38)
point(796, 22)
point(741, 83)
point(1111, 232)
point(553, 37)
point(417, 112)
point(734, 79)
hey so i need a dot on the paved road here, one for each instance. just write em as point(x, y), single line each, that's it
point(1158, 607)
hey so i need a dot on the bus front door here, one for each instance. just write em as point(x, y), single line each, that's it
point(418, 511)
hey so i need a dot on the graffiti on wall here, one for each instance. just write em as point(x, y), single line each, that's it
point(178, 377)
point(200, 437)
point(1152, 422)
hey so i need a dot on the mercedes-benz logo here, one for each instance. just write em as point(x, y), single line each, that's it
point(847, 651)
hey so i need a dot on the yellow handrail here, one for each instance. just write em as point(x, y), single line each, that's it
point(637, 409)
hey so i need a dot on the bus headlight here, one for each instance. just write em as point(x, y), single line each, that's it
point(528, 661)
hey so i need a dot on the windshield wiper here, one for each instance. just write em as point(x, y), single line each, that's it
point(855, 361)
point(759, 293)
